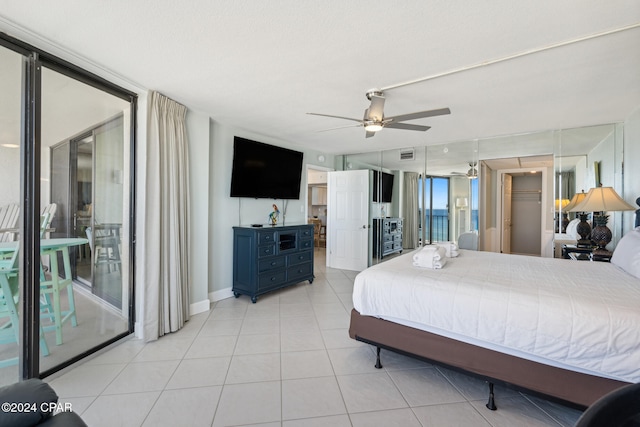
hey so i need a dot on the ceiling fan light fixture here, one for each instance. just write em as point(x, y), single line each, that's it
point(372, 126)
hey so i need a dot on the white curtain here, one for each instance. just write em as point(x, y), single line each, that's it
point(410, 211)
point(166, 259)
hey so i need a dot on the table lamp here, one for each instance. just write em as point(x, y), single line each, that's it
point(582, 228)
point(577, 198)
point(462, 202)
point(600, 200)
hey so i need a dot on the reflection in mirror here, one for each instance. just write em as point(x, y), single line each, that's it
point(395, 203)
point(503, 190)
point(585, 158)
point(451, 192)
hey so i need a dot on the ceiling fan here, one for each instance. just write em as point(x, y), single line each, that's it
point(472, 173)
point(374, 119)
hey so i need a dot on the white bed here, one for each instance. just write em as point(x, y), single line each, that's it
point(578, 316)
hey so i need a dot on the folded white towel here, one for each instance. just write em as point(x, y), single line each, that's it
point(431, 256)
point(451, 248)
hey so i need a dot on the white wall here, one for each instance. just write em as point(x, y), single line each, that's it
point(226, 212)
point(198, 132)
point(604, 154)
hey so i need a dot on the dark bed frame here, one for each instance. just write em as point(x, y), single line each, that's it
point(569, 387)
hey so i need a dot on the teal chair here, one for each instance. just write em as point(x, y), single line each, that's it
point(9, 295)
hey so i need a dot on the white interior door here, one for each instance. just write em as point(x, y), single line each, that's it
point(507, 185)
point(348, 219)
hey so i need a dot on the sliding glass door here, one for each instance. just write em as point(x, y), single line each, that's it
point(11, 341)
point(433, 201)
point(84, 141)
point(66, 164)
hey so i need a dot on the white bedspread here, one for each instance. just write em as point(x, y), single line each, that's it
point(578, 315)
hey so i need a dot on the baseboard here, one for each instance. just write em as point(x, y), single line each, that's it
point(199, 307)
point(220, 295)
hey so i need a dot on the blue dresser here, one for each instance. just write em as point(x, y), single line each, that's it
point(271, 257)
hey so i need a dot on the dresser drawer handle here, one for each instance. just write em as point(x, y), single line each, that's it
point(300, 256)
point(273, 263)
point(273, 278)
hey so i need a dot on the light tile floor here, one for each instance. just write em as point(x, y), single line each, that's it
point(285, 361)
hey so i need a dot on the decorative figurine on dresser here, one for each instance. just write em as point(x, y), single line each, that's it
point(270, 258)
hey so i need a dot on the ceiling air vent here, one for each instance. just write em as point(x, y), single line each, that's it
point(407, 154)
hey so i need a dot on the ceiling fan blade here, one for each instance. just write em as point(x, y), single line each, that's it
point(340, 127)
point(369, 134)
point(376, 109)
point(419, 115)
point(407, 126)
point(336, 117)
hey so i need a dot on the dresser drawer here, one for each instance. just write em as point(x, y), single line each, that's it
point(271, 264)
point(306, 233)
point(306, 244)
point(266, 237)
point(301, 271)
point(269, 280)
point(266, 250)
point(300, 257)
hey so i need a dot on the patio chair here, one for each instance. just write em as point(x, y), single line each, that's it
point(9, 296)
point(9, 217)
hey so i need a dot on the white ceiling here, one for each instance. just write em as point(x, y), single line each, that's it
point(262, 65)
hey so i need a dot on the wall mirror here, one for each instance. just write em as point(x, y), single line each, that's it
point(585, 158)
point(510, 191)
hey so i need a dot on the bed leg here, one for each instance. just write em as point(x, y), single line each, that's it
point(378, 364)
point(491, 404)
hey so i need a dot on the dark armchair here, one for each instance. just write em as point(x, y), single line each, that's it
point(33, 403)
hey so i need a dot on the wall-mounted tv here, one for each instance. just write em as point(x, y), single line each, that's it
point(264, 171)
point(385, 195)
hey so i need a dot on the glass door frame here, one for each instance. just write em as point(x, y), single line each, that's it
point(422, 197)
point(30, 191)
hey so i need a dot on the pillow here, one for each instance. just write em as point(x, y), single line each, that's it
point(627, 253)
point(572, 228)
point(33, 391)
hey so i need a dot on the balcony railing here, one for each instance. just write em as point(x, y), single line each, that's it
point(440, 229)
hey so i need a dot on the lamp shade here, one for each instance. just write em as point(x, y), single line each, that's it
point(577, 198)
point(602, 199)
point(561, 204)
point(462, 202)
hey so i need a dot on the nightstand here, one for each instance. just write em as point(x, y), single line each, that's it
point(580, 253)
point(601, 255)
point(580, 256)
point(587, 254)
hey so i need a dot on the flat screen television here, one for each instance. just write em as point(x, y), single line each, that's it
point(385, 195)
point(264, 171)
